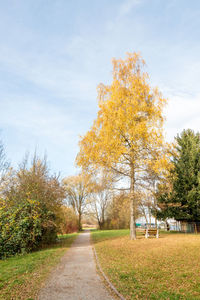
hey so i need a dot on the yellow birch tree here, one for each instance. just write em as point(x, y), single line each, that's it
point(127, 135)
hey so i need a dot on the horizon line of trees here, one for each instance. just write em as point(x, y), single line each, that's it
point(175, 194)
point(35, 206)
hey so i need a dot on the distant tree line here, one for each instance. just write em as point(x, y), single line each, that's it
point(172, 193)
point(126, 141)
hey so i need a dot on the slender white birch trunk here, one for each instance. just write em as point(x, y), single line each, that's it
point(132, 206)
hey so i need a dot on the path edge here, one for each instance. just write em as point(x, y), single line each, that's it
point(45, 282)
point(113, 288)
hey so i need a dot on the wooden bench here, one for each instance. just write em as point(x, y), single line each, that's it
point(152, 232)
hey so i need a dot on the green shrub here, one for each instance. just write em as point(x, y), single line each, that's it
point(25, 227)
point(30, 208)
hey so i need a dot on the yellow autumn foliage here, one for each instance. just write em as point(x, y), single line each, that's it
point(127, 135)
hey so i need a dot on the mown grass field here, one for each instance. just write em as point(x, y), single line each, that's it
point(22, 276)
point(164, 268)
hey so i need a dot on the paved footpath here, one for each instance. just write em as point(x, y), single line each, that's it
point(75, 278)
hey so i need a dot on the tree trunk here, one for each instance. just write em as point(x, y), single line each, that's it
point(100, 223)
point(149, 212)
point(155, 204)
point(195, 227)
point(132, 206)
point(132, 219)
point(145, 216)
point(103, 219)
point(156, 222)
point(79, 222)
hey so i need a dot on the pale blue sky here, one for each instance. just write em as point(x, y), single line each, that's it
point(53, 54)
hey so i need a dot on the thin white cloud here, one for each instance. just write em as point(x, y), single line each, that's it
point(32, 116)
point(127, 6)
point(182, 112)
point(48, 72)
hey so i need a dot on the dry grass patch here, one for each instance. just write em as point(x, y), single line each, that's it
point(164, 268)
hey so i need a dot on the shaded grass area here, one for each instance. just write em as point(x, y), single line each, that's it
point(103, 235)
point(22, 276)
point(164, 268)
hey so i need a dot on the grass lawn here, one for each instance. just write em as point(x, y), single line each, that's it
point(164, 268)
point(22, 276)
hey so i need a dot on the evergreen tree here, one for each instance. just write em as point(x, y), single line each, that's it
point(183, 202)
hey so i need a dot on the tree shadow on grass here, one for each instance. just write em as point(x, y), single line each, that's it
point(62, 241)
point(103, 235)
